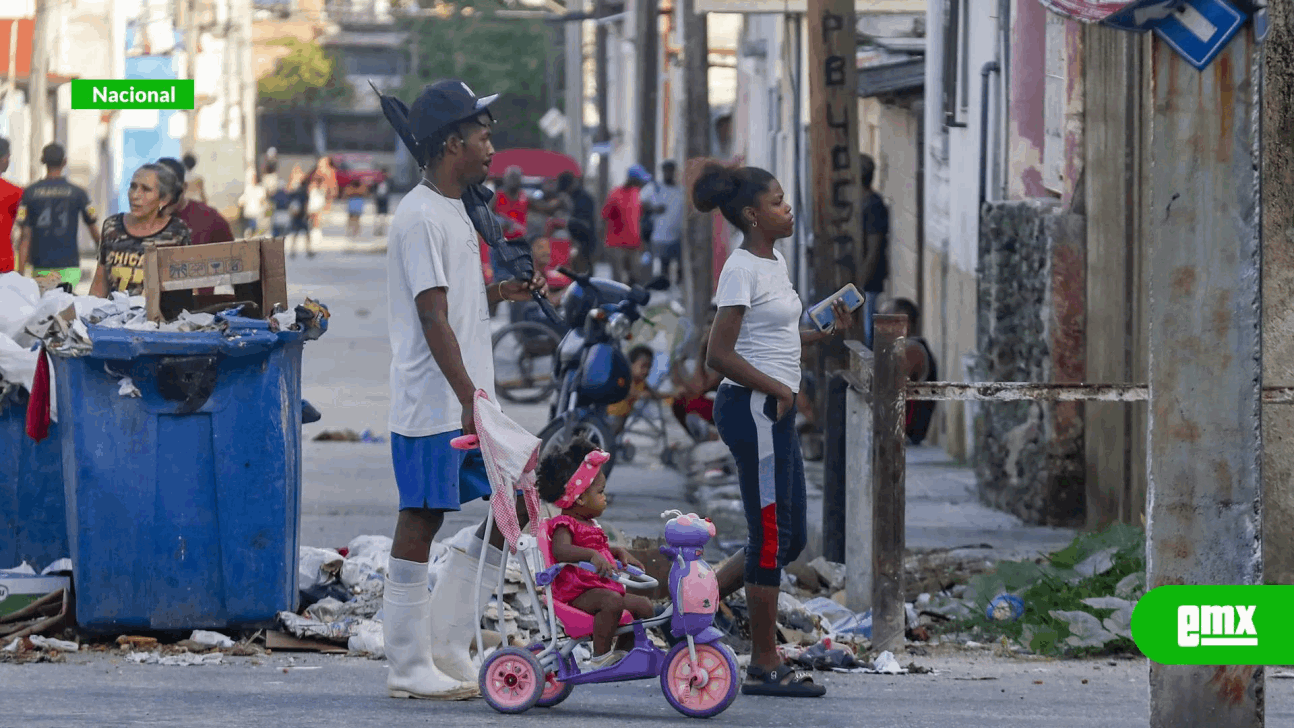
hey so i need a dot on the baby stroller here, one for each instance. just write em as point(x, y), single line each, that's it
point(672, 335)
point(698, 674)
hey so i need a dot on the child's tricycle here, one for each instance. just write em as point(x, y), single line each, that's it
point(698, 674)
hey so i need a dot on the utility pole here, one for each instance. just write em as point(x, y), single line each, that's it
point(839, 244)
point(1278, 284)
point(37, 84)
point(604, 133)
point(698, 247)
point(247, 79)
point(191, 54)
point(1205, 497)
point(647, 39)
point(575, 85)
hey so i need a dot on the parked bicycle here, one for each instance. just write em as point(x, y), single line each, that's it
point(525, 357)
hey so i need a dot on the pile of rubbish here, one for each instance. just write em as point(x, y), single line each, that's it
point(31, 315)
point(341, 593)
point(1076, 601)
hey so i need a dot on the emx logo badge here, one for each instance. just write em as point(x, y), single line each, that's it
point(1219, 623)
point(1215, 625)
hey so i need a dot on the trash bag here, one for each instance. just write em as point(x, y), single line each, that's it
point(319, 592)
point(317, 566)
point(822, 656)
point(840, 619)
point(366, 561)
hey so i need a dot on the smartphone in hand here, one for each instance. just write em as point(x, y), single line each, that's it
point(821, 314)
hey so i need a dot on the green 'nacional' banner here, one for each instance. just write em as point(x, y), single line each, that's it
point(139, 93)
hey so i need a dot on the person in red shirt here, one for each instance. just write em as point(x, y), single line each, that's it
point(10, 198)
point(512, 204)
point(205, 224)
point(623, 213)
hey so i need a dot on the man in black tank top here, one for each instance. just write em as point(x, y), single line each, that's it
point(920, 361)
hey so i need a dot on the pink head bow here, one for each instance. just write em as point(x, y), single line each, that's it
point(583, 477)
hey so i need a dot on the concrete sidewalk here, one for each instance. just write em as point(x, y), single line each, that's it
point(943, 510)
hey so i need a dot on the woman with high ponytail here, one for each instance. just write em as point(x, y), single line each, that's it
point(755, 343)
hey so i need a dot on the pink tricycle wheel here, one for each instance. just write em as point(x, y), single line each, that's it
point(512, 680)
point(704, 688)
point(555, 691)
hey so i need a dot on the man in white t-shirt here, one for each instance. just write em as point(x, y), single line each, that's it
point(439, 311)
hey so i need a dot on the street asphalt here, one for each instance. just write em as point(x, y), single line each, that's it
point(348, 490)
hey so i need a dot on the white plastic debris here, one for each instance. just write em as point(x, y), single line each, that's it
point(18, 298)
point(1086, 630)
point(886, 664)
point(368, 639)
point(366, 562)
point(317, 566)
point(50, 643)
point(325, 610)
point(307, 628)
point(17, 363)
point(58, 566)
point(215, 639)
point(840, 620)
point(186, 659)
point(831, 573)
point(126, 388)
point(286, 320)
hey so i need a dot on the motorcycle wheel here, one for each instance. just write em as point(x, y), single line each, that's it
point(593, 427)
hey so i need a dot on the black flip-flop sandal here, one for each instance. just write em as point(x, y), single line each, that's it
point(784, 681)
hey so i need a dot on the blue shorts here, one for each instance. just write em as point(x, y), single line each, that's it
point(431, 474)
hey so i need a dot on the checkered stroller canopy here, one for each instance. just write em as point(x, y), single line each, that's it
point(511, 456)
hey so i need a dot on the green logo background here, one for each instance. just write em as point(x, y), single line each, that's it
point(83, 96)
point(1155, 626)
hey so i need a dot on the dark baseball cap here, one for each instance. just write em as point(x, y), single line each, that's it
point(53, 155)
point(443, 103)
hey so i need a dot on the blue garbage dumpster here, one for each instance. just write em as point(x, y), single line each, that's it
point(183, 499)
point(33, 522)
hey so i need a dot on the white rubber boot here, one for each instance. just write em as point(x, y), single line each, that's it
point(406, 632)
point(454, 616)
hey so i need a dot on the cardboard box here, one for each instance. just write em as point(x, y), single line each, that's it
point(17, 590)
point(255, 268)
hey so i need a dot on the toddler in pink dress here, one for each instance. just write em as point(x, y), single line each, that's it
point(572, 480)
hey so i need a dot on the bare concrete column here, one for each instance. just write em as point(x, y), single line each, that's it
point(889, 510)
point(1205, 435)
point(1278, 284)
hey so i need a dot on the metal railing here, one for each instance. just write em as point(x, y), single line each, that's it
point(875, 461)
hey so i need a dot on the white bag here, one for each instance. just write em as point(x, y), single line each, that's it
point(316, 201)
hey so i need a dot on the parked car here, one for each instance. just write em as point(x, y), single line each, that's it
point(356, 168)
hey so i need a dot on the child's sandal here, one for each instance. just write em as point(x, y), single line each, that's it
point(782, 681)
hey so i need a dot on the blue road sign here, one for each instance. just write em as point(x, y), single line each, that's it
point(1200, 29)
point(1197, 30)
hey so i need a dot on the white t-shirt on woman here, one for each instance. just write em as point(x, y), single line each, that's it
point(770, 330)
